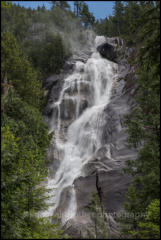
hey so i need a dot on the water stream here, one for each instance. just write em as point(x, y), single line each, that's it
point(83, 136)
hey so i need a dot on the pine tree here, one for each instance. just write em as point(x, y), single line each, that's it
point(18, 69)
point(149, 227)
point(78, 7)
point(25, 140)
point(118, 13)
point(99, 227)
point(144, 121)
point(86, 17)
point(62, 4)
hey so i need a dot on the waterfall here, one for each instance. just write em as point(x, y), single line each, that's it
point(84, 95)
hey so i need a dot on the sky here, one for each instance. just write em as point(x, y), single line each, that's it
point(100, 9)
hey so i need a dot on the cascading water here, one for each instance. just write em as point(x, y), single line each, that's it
point(83, 136)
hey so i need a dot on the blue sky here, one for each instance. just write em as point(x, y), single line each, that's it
point(100, 9)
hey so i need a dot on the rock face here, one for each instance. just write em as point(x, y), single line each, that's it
point(103, 173)
point(108, 48)
point(107, 51)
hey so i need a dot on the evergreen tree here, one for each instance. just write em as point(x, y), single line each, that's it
point(149, 227)
point(99, 228)
point(102, 27)
point(43, 9)
point(55, 54)
point(25, 140)
point(78, 7)
point(87, 18)
point(62, 4)
point(18, 69)
point(144, 121)
point(118, 14)
point(6, 4)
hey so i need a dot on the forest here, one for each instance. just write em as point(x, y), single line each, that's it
point(30, 52)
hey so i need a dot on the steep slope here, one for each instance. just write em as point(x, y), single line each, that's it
point(86, 107)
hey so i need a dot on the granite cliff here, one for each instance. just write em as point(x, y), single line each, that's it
point(86, 105)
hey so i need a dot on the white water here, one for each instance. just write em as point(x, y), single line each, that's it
point(83, 134)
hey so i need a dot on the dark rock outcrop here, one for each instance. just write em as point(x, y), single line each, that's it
point(107, 51)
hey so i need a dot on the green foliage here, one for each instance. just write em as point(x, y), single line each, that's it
point(61, 4)
point(149, 227)
point(22, 126)
point(123, 22)
point(144, 124)
point(82, 12)
point(55, 54)
point(132, 214)
point(19, 70)
point(102, 26)
point(23, 167)
point(42, 228)
point(17, 20)
point(5, 4)
point(19, 179)
point(25, 138)
point(99, 228)
point(118, 16)
point(49, 55)
point(78, 7)
point(86, 17)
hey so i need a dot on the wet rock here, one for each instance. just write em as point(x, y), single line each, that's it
point(64, 201)
point(113, 185)
point(53, 166)
point(67, 109)
point(107, 51)
point(83, 105)
point(79, 227)
point(48, 111)
point(52, 80)
point(89, 169)
point(54, 91)
point(71, 91)
point(68, 66)
point(84, 193)
point(115, 41)
point(85, 88)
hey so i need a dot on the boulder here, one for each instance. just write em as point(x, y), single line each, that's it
point(107, 51)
